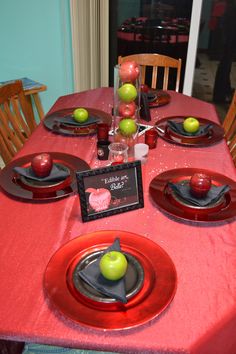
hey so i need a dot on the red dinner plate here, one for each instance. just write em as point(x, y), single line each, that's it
point(216, 133)
point(51, 122)
point(157, 291)
point(158, 98)
point(162, 196)
point(15, 186)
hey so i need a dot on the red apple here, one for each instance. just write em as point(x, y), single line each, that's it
point(144, 88)
point(200, 184)
point(42, 164)
point(113, 265)
point(129, 71)
point(99, 199)
point(127, 109)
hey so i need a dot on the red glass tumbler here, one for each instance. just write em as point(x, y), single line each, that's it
point(151, 138)
point(102, 132)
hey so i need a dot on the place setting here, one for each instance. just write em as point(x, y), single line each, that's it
point(76, 121)
point(42, 177)
point(112, 280)
point(195, 194)
point(155, 98)
point(189, 131)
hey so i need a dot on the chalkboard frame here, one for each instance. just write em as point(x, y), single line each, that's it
point(93, 178)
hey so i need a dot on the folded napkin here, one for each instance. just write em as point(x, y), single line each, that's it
point(183, 190)
point(110, 288)
point(178, 128)
point(58, 173)
point(69, 120)
point(151, 97)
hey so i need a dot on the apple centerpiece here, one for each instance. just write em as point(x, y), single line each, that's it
point(127, 93)
point(191, 125)
point(200, 184)
point(127, 126)
point(126, 104)
point(129, 71)
point(127, 109)
point(113, 265)
point(80, 115)
point(42, 165)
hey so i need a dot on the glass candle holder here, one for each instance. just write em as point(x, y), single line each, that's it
point(103, 149)
point(141, 152)
point(151, 138)
point(102, 131)
point(118, 153)
point(126, 104)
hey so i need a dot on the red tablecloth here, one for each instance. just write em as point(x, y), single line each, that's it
point(202, 317)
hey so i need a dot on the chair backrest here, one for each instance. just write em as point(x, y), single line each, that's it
point(229, 123)
point(156, 61)
point(16, 118)
point(232, 149)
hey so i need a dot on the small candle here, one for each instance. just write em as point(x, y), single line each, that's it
point(151, 138)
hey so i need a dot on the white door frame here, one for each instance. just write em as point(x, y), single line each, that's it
point(192, 47)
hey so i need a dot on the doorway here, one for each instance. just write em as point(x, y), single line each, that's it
point(209, 51)
point(149, 26)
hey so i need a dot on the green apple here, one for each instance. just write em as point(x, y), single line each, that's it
point(80, 115)
point(127, 126)
point(191, 125)
point(113, 265)
point(127, 93)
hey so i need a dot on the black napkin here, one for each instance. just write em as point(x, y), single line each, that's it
point(183, 190)
point(69, 120)
point(93, 276)
point(178, 128)
point(144, 111)
point(58, 173)
point(151, 97)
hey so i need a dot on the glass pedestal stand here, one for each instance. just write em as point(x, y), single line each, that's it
point(126, 105)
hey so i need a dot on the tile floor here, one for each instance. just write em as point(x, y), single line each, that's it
point(204, 81)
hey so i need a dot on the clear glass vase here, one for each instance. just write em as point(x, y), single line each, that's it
point(126, 104)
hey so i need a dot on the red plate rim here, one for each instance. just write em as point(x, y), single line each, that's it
point(160, 94)
point(80, 130)
point(217, 132)
point(157, 191)
point(160, 282)
point(15, 190)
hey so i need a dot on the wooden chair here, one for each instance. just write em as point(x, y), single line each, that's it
point(232, 149)
point(229, 126)
point(229, 123)
point(156, 61)
point(16, 120)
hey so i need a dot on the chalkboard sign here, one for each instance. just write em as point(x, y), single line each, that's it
point(110, 190)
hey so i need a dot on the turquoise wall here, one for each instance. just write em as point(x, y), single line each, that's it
point(35, 42)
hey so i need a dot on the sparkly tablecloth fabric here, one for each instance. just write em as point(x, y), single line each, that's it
point(202, 316)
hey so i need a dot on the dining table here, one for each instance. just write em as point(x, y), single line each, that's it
point(200, 316)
